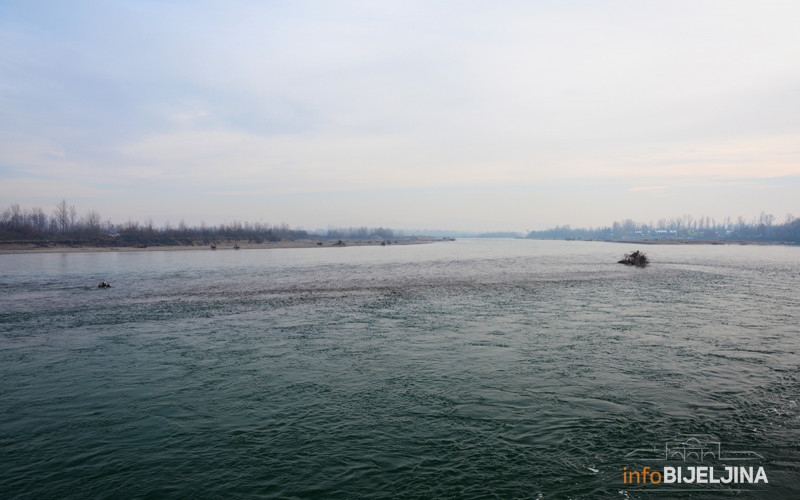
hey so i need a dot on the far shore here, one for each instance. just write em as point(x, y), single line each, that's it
point(697, 242)
point(673, 242)
point(16, 248)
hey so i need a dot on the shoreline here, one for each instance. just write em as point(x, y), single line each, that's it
point(27, 248)
point(675, 242)
point(697, 242)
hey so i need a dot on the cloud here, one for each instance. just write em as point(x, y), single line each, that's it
point(297, 98)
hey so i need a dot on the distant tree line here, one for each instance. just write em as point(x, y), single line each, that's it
point(16, 222)
point(761, 228)
point(63, 225)
point(359, 233)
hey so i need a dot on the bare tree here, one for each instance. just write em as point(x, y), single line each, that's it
point(73, 217)
point(14, 217)
point(39, 219)
point(61, 215)
point(91, 221)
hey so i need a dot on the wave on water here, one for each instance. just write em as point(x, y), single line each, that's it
point(474, 369)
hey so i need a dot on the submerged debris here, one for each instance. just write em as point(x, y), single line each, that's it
point(637, 258)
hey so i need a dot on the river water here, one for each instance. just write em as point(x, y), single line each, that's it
point(471, 369)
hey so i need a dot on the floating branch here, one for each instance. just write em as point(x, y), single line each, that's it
point(637, 258)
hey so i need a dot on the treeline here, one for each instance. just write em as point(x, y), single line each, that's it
point(359, 233)
point(761, 228)
point(64, 225)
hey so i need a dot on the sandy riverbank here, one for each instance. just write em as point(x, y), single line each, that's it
point(12, 248)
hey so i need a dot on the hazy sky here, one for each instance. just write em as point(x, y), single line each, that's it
point(508, 115)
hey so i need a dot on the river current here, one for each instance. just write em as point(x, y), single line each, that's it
point(466, 369)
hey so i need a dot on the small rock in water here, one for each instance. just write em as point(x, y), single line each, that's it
point(637, 258)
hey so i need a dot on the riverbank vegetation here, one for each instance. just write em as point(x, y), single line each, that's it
point(63, 226)
point(687, 228)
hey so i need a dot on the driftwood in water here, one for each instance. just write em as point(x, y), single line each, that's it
point(637, 258)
